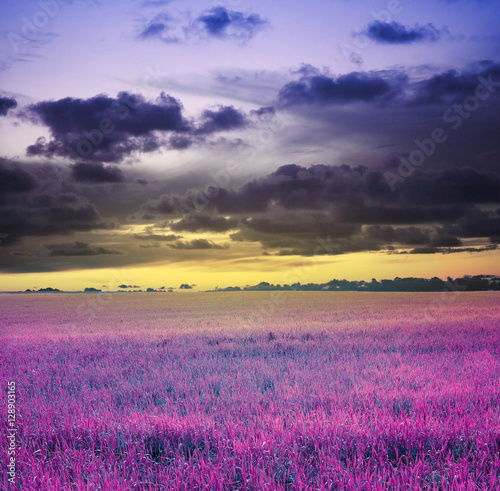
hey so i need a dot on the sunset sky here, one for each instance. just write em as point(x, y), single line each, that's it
point(156, 142)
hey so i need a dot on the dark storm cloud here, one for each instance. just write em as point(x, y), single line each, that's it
point(42, 214)
point(166, 204)
point(318, 234)
point(78, 248)
point(323, 89)
point(294, 187)
point(441, 250)
point(447, 199)
point(294, 206)
point(301, 233)
point(456, 185)
point(330, 247)
point(222, 23)
point(314, 87)
point(359, 189)
point(204, 223)
point(412, 236)
point(446, 241)
point(104, 128)
point(396, 33)
point(401, 215)
point(474, 223)
point(6, 103)
point(197, 244)
point(355, 194)
point(373, 129)
point(453, 86)
point(402, 235)
point(393, 87)
point(302, 224)
point(225, 118)
point(109, 129)
point(14, 179)
point(95, 172)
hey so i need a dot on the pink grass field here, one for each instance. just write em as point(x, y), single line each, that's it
point(253, 391)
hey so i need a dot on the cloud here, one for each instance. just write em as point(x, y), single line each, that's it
point(440, 250)
point(180, 142)
point(332, 248)
point(166, 204)
point(401, 215)
point(323, 89)
point(204, 223)
point(446, 241)
point(462, 185)
point(32, 203)
point(155, 3)
point(393, 87)
point(162, 27)
point(474, 223)
point(43, 214)
point(96, 173)
point(373, 134)
point(301, 224)
point(289, 209)
point(217, 22)
point(396, 33)
point(222, 23)
point(78, 248)
point(26, 43)
point(225, 118)
point(402, 235)
point(158, 237)
point(453, 86)
point(154, 29)
point(128, 286)
point(105, 128)
point(384, 129)
point(299, 232)
point(197, 244)
point(14, 180)
point(264, 112)
point(356, 194)
point(7, 103)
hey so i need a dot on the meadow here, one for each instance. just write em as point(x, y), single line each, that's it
point(253, 391)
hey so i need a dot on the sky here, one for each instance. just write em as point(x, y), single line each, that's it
point(156, 143)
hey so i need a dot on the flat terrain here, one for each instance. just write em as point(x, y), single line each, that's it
point(253, 391)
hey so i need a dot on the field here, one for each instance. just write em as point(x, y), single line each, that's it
point(253, 391)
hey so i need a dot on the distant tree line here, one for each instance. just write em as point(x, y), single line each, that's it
point(466, 283)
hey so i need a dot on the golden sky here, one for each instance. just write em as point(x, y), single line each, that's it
point(252, 270)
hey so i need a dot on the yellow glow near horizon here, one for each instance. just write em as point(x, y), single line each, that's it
point(240, 271)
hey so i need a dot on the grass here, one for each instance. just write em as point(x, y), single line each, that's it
point(244, 391)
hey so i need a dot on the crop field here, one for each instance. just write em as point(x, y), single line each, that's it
point(253, 391)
